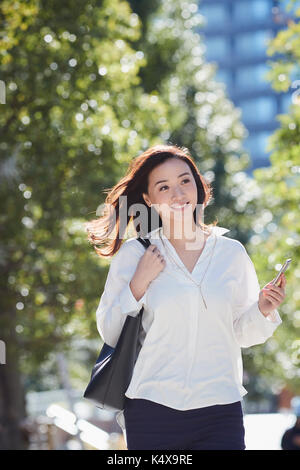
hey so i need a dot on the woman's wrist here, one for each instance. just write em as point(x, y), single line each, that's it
point(265, 314)
point(138, 288)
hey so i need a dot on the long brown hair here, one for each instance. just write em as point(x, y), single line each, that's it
point(133, 185)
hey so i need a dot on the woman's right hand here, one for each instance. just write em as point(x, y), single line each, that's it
point(148, 268)
point(150, 264)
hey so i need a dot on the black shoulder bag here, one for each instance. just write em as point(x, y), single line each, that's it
point(111, 375)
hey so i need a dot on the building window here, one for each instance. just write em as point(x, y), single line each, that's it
point(217, 48)
point(224, 76)
point(257, 144)
point(258, 110)
point(286, 101)
point(249, 11)
point(251, 77)
point(215, 15)
point(249, 45)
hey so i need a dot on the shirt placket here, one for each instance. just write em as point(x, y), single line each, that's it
point(187, 273)
point(192, 346)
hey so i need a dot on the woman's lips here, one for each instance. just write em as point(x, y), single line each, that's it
point(179, 207)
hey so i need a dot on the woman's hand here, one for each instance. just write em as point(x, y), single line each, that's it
point(148, 268)
point(270, 297)
point(150, 265)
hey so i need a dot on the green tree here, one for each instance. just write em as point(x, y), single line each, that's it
point(277, 223)
point(199, 114)
point(89, 85)
point(74, 115)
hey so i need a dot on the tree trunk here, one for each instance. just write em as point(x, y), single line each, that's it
point(12, 400)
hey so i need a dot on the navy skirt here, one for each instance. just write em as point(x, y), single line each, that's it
point(150, 425)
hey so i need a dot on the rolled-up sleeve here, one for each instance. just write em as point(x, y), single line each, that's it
point(117, 300)
point(250, 325)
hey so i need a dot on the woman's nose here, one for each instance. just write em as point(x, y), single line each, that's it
point(177, 192)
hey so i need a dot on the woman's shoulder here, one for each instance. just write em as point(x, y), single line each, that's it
point(232, 245)
point(223, 238)
point(130, 247)
point(132, 244)
point(127, 256)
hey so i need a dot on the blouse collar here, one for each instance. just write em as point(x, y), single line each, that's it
point(215, 230)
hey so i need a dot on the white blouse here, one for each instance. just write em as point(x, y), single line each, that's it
point(191, 355)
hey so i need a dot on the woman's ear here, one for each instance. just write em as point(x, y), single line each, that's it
point(146, 199)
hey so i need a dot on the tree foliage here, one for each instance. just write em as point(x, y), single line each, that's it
point(89, 85)
point(74, 116)
point(200, 115)
point(277, 223)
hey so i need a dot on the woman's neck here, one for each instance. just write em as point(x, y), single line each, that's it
point(181, 237)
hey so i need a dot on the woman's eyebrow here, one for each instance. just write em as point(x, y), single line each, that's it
point(163, 181)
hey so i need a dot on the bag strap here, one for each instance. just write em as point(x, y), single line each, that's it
point(146, 242)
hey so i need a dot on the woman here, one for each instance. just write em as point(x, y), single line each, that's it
point(202, 303)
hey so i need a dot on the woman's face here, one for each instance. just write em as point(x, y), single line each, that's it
point(173, 191)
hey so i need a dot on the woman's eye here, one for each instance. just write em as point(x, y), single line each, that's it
point(187, 180)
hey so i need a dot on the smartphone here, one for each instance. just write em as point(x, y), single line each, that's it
point(284, 268)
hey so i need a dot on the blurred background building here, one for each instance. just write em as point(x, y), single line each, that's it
point(236, 35)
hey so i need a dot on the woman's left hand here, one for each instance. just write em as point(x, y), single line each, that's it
point(270, 297)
